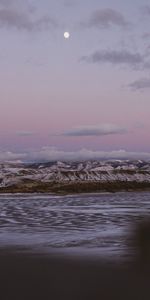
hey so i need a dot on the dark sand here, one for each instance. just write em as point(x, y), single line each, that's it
point(27, 275)
point(37, 276)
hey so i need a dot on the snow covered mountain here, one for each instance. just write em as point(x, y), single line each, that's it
point(74, 172)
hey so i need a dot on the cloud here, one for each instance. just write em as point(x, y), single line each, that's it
point(146, 10)
point(140, 84)
point(10, 156)
point(139, 125)
point(25, 133)
point(104, 18)
point(70, 3)
point(99, 130)
point(115, 57)
point(53, 154)
point(22, 17)
point(6, 2)
point(146, 35)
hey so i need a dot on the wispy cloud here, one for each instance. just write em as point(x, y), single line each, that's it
point(25, 133)
point(23, 17)
point(105, 18)
point(140, 84)
point(71, 3)
point(145, 9)
point(6, 2)
point(139, 125)
point(115, 57)
point(146, 35)
point(96, 130)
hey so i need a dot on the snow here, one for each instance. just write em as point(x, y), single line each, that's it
point(75, 172)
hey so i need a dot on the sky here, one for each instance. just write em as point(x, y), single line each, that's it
point(82, 97)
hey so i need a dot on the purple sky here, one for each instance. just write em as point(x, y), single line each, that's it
point(88, 93)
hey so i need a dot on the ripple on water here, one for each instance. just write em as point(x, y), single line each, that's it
point(95, 221)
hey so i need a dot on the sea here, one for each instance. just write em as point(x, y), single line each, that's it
point(82, 224)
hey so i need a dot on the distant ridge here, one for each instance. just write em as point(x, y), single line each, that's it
point(87, 176)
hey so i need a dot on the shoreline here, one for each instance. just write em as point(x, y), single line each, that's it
point(87, 187)
point(66, 193)
point(38, 276)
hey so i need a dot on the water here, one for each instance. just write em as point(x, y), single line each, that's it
point(93, 223)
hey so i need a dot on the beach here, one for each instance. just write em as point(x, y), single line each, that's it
point(74, 247)
point(38, 276)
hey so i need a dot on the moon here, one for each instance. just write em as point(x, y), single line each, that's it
point(66, 35)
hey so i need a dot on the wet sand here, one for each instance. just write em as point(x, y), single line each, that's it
point(39, 276)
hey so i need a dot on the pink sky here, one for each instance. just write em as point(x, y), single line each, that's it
point(99, 77)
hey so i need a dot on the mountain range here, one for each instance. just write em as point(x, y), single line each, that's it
point(75, 176)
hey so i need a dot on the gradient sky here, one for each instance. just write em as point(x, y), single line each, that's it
point(90, 91)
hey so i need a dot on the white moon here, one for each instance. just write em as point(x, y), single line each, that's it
point(66, 35)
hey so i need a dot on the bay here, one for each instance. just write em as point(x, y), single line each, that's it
point(97, 224)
